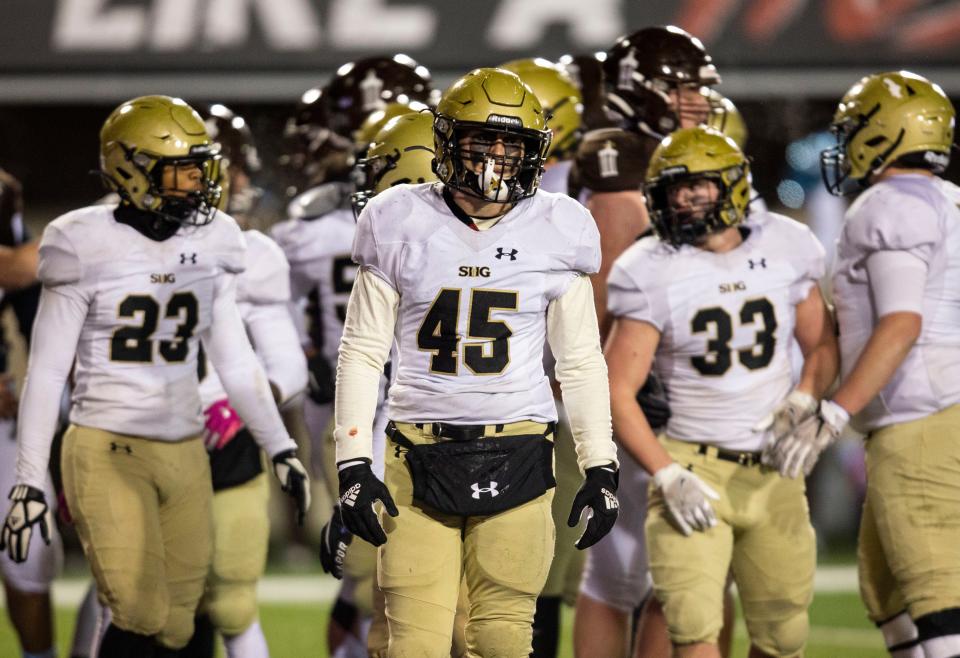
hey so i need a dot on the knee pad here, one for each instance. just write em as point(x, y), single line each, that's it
point(232, 608)
point(144, 612)
point(785, 636)
point(691, 619)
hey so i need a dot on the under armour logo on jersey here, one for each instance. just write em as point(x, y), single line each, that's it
point(625, 71)
point(188, 257)
point(610, 500)
point(349, 496)
point(477, 490)
point(512, 254)
point(757, 263)
point(117, 447)
point(371, 87)
point(607, 160)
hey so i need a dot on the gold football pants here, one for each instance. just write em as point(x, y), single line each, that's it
point(503, 559)
point(763, 533)
point(142, 510)
point(909, 547)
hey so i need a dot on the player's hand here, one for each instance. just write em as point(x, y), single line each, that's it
point(293, 480)
point(799, 451)
point(598, 494)
point(652, 398)
point(28, 509)
point(686, 498)
point(784, 420)
point(221, 426)
point(334, 540)
point(359, 489)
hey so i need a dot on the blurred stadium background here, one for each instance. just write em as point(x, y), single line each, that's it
point(64, 64)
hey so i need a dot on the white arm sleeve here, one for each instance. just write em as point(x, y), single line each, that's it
point(244, 380)
point(277, 345)
point(364, 349)
point(897, 281)
point(53, 347)
point(574, 338)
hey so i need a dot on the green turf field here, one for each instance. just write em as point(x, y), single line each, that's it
point(839, 628)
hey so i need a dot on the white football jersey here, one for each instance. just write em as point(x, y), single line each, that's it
point(318, 251)
point(726, 323)
point(472, 317)
point(136, 359)
point(266, 280)
point(916, 214)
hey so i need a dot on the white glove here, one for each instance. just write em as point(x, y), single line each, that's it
point(784, 420)
point(798, 451)
point(294, 480)
point(686, 497)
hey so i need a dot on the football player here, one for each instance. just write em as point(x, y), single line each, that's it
point(898, 306)
point(26, 586)
point(563, 105)
point(128, 292)
point(317, 241)
point(715, 299)
point(471, 275)
point(240, 521)
point(651, 84)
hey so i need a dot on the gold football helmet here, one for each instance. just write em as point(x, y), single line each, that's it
point(689, 155)
point(725, 117)
point(560, 98)
point(147, 135)
point(887, 118)
point(491, 137)
point(402, 152)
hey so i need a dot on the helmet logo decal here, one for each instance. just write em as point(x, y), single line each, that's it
point(607, 160)
point(504, 120)
point(371, 87)
point(627, 67)
point(895, 90)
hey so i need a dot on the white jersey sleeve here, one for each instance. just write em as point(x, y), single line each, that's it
point(637, 300)
point(915, 215)
point(267, 277)
point(59, 262)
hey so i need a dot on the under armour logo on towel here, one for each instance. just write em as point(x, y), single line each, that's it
point(757, 263)
point(349, 496)
point(477, 490)
point(188, 257)
point(512, 254)
point(117, 447)
point(609, 500)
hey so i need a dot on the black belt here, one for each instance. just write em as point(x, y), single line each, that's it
point(462, 432)
point(735, 456)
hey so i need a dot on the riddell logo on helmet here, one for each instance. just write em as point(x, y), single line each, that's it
point(505, 121)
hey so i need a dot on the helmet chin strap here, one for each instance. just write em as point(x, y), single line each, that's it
point(494, 186)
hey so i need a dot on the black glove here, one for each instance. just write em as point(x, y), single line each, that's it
point(28, 508)
point(599, 495)
point(334, 540)
point(359, 488)
point(321, 382)
point(293, 480)
point(652, 399)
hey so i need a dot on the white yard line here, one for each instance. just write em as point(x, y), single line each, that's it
point(321, 589)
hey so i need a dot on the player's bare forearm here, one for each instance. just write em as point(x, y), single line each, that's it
point(886, 349)
point(18, 265)
point(817, 336)
point(629, 352)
